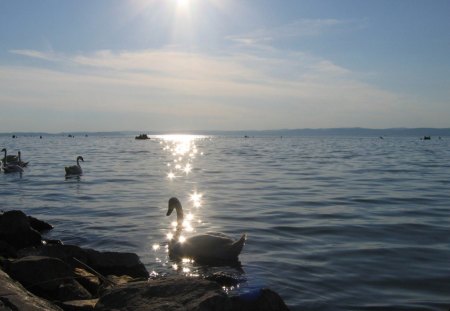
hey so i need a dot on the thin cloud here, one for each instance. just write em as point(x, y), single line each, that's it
point(296, 29)
point(276, 89)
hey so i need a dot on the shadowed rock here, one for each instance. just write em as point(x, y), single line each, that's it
point(178, 293)
point(14, 297)
point(47, 277)
point(39, 225)
point(106, 263)
point(15, 230)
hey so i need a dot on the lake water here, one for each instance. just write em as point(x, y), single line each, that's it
point(332, 223)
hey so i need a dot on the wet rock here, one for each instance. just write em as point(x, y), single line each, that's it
point(115, 263)
point(78, 305)
point(47, 277)
point(259, 300)
point(39, 225)
point(7, 250)
point(105, 263)
point(178, 293)
point(14, 297)
point(225, 279)
point(15, 230)
point(88, 280)
point(172, 293)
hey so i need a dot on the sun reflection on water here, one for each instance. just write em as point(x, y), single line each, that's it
point(181, 153)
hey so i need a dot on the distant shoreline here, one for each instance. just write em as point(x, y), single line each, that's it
point(307, 132)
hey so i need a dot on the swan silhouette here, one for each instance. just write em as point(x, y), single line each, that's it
point(208, 247)
point(10, 167)
point(75, 169)
point(9, 158)
point(12, 159)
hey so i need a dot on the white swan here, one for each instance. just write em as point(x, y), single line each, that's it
point(10, 167)
point(8, 158)
point(208, 247)
point(75, 169)
point(20, 162)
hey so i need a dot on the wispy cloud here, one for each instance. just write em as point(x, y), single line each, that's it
point(176, 89)
point(296, 29)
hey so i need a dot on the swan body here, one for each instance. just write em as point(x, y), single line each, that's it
point(8, 158)
point(75, 169)
point(11, 167)
point(207, 247)
point(12, 159)
point(20, 162)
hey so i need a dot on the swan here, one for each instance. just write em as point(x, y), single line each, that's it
point(8, 158)
point(10, 167)
point(20, 162)
point(208, 247)
point(75, 169)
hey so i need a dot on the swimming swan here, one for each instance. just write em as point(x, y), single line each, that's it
point(75, 169)
point(208, 247)
point(10, 167)
point(20, 162)
point(8, 158)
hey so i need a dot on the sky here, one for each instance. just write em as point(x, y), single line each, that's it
point(180, 65)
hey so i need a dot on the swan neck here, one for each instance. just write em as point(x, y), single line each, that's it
point(180, 215)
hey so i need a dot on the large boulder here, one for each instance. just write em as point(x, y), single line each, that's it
point(15, 230)
point(47, 277)
point(169, 294)
point(178, 293)
point(14, 297)
point(106, 263)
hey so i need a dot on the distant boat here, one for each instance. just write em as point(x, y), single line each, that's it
point(426, 137)
point(142, 136)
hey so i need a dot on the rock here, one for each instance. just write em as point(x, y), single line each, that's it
point(105, 263)
point(116, 263)
point(78, 305)
point(178, 293)
point(14, 297)
point(88, 280)
point(225, 279)
point(7, 250)
point(39, 225)
point(47, 277)
point(15, 230)
point(259, 300)
point(172, 293)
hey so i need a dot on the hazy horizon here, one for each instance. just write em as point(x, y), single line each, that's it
point(179, 65)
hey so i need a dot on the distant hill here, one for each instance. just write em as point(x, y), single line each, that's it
point(351, 132)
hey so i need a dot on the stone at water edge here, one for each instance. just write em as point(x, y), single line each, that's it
point(14, 297)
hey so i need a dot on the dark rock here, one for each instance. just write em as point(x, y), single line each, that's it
point(47, 277)
point(116, 263)
point(78, 305)
point(178, 293)
point(7, 250)
point(39, 225)
point(15, 230)
point(259, 300)
point(105, 263)
point(14, 297)
point(173, 293)
point(225, 279)
point(88, 280)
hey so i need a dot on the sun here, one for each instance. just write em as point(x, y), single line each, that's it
point(182, 3)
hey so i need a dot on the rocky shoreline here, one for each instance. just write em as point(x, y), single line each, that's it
point(38, 274)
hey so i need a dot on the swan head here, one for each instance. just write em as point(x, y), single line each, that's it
point(174, 203)
point(80, 158)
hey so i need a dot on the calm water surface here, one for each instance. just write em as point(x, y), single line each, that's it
point(332, 223)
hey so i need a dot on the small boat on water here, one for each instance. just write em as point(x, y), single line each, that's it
point(142, 136)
